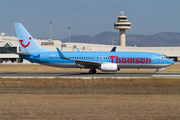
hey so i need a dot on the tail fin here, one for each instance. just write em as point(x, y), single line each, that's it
point(113, 49)
point(26, 41)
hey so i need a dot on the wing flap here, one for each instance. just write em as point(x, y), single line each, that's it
point(87, 63)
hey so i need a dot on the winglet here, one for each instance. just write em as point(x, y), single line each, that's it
point(78, 50)
point(60, 54)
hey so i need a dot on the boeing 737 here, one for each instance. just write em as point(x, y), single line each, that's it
point(104, 61)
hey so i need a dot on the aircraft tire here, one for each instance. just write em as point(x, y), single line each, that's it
point(92, 71)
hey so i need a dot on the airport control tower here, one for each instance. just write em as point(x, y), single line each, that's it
point(122, 25)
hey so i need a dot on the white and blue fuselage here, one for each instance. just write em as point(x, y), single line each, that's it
point(122, 59)
point(105, 61)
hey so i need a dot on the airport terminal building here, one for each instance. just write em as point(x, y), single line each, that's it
point(10, 45)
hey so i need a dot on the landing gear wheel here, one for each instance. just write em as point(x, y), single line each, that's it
point(92, 71)
point(157, 72)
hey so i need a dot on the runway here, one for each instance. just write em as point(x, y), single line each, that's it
point(84, 75)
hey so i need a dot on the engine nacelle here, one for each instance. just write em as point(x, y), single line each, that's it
point(109, 67)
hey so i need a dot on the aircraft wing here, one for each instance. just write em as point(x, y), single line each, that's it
point(87, 63)
point(81, 62)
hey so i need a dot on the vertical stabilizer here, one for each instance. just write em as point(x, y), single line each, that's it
point(113, 49)
point(26, 41)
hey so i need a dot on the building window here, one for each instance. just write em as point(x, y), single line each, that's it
point(47, 43)
point(8, 50)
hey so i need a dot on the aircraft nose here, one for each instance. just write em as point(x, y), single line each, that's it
point(171, 62)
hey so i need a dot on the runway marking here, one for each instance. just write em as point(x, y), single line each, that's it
point(173, 76)
point(163, 76)
point(78, 77)
point(27, 77)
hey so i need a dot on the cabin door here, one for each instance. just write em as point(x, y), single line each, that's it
point(154, 59)
point(42, 57)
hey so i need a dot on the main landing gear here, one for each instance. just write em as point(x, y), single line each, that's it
point(157, 72)
point(92, 71)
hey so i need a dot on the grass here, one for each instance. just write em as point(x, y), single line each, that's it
point(89, 107)
point(102, 99)
point(148, 86)
point(101, 82)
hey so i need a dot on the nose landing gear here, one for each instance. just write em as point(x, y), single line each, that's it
point(157, 71)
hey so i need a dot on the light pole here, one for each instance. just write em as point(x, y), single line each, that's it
point(69, 34)
point(50, 29)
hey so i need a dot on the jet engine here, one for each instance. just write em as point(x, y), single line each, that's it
point(109, 67)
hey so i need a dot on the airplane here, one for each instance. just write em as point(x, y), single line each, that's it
point(113, 49)
point(78, 50)
point(104, 61)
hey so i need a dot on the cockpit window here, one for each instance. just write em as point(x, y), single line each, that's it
point(163, 57)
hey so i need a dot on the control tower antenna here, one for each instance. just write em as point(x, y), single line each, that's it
point(122, 25)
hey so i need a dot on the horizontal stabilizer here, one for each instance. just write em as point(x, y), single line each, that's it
point(23, 54)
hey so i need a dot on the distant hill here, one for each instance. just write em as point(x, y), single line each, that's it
point(165, 39)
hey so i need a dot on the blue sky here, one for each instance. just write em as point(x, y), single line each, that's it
point(86, 17)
